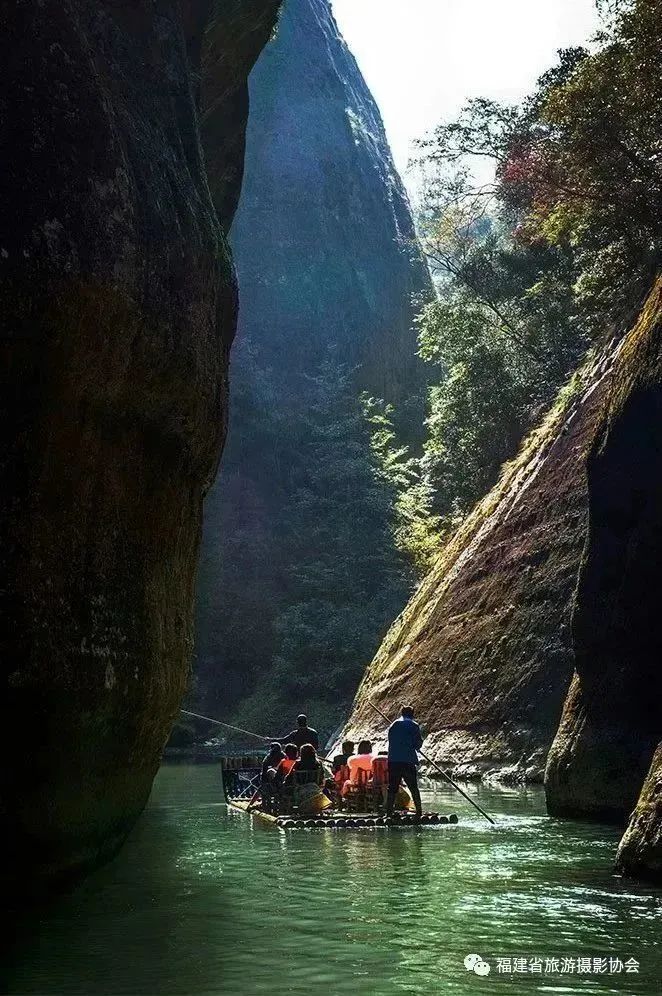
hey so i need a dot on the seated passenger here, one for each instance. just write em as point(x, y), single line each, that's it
point(307, 778)
point(287, 763)
point(340, 769)
point(271, 761)
point(340, 759)
point(268, 776)
point(308, 767)
point(360, 766)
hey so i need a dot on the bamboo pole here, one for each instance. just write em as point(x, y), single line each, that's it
point(439, 769)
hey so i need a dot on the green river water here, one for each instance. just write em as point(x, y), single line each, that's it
point(203, 900)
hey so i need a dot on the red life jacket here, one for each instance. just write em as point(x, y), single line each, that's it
point(380, 770)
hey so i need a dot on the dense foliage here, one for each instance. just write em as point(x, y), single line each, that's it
point(550, 253)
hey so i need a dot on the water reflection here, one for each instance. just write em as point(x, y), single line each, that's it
point(205, 901)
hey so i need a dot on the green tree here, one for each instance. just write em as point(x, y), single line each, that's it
point(553, 253)
point(342, 580)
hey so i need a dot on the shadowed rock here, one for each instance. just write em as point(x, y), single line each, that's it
point(328, 264)
point(612, 719)
point(118, 308)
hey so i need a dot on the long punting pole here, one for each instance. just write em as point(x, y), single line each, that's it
point(227, 726)
point(440, 770)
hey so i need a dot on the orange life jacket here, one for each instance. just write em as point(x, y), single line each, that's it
point(286, 766)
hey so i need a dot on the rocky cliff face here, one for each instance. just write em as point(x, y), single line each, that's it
point(640, 852)
point(327, 261)
point(612, 718)
point(118, 308)
point(486, 648)
point(336, 262)
point(483, 651)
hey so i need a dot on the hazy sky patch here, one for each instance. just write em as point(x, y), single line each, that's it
point(423, 58)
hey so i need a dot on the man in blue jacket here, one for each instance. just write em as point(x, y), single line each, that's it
point(404, 739)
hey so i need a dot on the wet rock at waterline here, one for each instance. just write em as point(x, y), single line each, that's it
point(640, 851)
point(118, 309)
point(612, 718)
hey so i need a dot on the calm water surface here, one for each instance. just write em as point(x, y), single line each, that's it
point(206, 901)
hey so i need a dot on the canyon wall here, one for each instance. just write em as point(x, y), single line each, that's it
point(488, 646)
point(336, 262)
point(118, 308)
point(328, 264)
point(612, 718)
point(484, 651)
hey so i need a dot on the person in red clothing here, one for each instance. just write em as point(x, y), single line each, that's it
point(360, 767)
point(287, 763)
point(282, 771)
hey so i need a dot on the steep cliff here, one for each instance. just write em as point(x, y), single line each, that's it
point(337, 262)
point(612, 719)
point(483, 651)
point(118, 308)
point(328, 280)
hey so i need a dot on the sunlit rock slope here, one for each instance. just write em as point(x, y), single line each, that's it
point(118, 307)
point(483, 650)
point(612, 719)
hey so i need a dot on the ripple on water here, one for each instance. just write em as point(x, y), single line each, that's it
point(204, 901)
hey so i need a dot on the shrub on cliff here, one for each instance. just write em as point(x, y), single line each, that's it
point(553, 250)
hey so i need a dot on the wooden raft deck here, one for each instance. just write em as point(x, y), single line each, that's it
point(344, 820)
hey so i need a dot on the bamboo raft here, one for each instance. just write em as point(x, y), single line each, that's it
point(240, 787)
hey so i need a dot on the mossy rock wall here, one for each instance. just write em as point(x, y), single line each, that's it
point(640, 851)
point(483, 651)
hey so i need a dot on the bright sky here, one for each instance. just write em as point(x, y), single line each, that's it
point(423, 58)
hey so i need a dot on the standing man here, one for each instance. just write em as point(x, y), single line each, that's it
point(303, 734)
point(404, 739)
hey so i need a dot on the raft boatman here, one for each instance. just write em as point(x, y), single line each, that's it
point(303, 734)
point(404, 739)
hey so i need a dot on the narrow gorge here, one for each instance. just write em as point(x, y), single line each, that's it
point(330, 277)
point(135, 182)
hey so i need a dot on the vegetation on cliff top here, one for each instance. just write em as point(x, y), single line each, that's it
point(552, 255)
